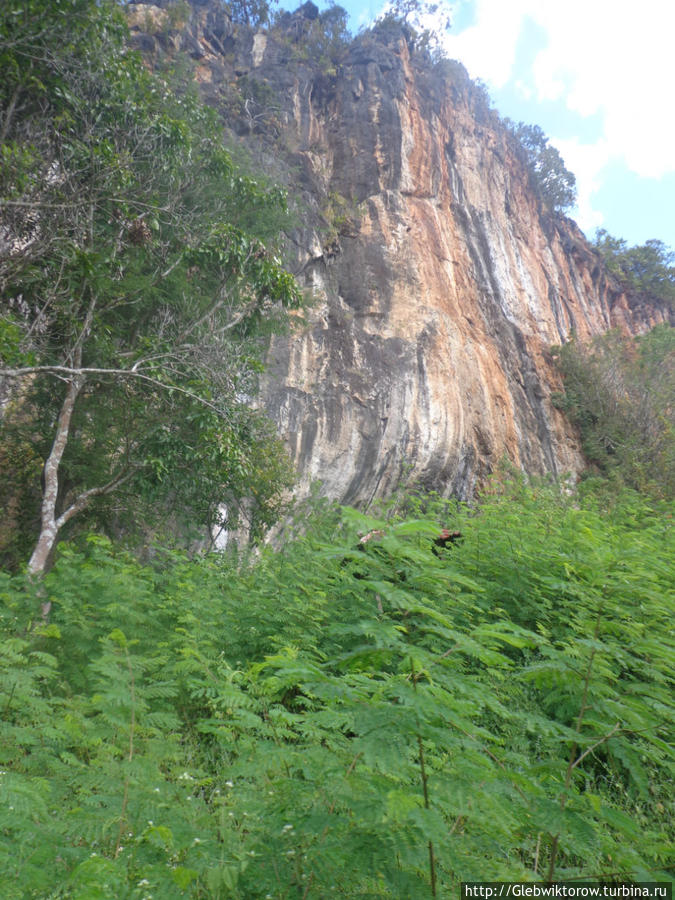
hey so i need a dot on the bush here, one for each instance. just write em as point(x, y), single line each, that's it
point(620, 392)
point(346, 717)
point(647, 269)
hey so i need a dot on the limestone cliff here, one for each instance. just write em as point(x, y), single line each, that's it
point(439, 281)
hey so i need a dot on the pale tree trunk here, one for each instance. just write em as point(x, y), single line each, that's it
point(49, 524)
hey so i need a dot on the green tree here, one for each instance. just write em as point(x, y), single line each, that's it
point(554, 184)
point(137, 280)
point(621, 394)
point(249, 12)
point(328, 35)
point(648, 268)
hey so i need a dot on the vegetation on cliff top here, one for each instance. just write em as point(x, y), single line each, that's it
point(647, 269)
point(551, 181)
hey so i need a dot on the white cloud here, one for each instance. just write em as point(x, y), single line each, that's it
point(488, 48)
point(587, 161)
point(364, 18)
point(603, 57)
point(524, 89)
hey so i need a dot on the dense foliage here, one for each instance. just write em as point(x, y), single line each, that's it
point(554, 184)
point(249, 12)
point(137, 277)
point(648, 269)
point(621, 393)
point(322, 39)
point(346, 717)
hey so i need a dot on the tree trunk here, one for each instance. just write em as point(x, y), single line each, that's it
point(49, 526)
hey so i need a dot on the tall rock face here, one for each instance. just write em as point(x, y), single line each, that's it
point(439, 281)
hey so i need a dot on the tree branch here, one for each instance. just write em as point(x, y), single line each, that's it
point(82, 501)
point(69, 372)
point(590, 749)
point(48, 524)
point(9, 115)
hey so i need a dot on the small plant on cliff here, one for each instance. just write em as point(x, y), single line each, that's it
point(554, 184)
point(249, 12)
point(178, 13)
point(319, 38)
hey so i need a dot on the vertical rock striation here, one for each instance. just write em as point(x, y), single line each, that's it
point(439, 281)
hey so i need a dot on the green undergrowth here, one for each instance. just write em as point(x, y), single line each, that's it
point(343, 717)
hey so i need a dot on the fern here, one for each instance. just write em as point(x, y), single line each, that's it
point(332, 721)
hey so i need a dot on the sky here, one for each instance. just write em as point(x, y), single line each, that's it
point(598, 76)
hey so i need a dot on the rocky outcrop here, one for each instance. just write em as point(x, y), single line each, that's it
point(439, 282)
